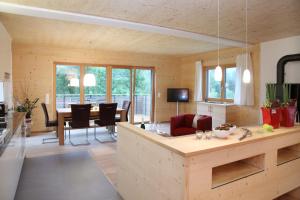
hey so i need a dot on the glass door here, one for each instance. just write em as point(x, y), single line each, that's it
point(143, 95)
point(94, 82)
point(67, 85)
point(121, 85)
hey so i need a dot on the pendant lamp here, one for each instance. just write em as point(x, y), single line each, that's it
point(246, 73)
point(218, 70)
point(89, 80)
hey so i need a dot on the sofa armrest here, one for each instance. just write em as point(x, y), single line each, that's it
point(204, 123)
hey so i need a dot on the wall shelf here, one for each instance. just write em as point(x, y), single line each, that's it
point(288, 154)
point(225, 174)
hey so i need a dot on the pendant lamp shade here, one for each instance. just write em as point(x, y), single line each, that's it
point(246, 76)
point(218, 70)
point(218, 73)
point(246, 73)
point(89, 80)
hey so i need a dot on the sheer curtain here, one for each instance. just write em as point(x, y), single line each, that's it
point(244, 93)
point(198, 81)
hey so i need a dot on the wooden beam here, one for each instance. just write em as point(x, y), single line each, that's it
point(103, 21)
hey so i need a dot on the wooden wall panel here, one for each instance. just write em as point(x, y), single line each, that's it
point(33, 69)
point(246, 115)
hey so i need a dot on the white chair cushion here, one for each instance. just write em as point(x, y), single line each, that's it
point(195, 121)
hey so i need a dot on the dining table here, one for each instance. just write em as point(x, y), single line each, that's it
point(64, 114)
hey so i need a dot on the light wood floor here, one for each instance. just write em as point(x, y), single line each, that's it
point(103, 153)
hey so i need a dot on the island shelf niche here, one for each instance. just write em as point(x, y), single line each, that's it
point(288, 154)
point(228, 173)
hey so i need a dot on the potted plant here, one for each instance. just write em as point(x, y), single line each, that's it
point(27, 106)
point(288, 108)
point(271, 109)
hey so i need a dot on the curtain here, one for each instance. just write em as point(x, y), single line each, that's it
point(198, 81)
point(244, 93)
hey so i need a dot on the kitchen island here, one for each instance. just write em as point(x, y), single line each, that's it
point(263, 166)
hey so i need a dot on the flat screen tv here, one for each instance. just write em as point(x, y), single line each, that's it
point(178, 95)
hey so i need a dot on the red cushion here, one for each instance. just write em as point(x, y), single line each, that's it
point(204, 123)
point(183, 131)
point(188, 120)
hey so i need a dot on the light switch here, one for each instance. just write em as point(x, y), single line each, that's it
point(158, 94)
point(47, 98)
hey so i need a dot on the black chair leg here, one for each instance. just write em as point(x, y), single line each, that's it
point(80, 144)
point(53, 139)
point(111, 133)
point(50, 140)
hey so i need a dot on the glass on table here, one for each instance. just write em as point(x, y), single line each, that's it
point(157, 127)
point(207, 134)
point(199, 134)
point(151, 126)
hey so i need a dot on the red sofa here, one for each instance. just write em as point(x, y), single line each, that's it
point(182, 124)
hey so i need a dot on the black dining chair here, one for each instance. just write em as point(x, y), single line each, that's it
point(107, 113)
point(125, 106)
point(80, 120)
point(49, 123)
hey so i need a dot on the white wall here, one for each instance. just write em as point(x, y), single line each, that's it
point(6, 64)
point(270, 53)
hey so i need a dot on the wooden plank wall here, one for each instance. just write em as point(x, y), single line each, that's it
point(33, 69)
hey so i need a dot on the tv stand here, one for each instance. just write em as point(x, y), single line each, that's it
point(177, 108)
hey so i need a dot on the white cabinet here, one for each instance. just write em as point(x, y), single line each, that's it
point(218, 112)
point(11, 162)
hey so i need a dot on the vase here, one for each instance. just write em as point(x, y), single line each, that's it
point(288, 115)
point(28, 122)
point(271, 116)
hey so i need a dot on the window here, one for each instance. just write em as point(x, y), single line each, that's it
point(67, 85)
point(219, 90)
point(230, 73)
point(143, 95)
point(97, 93)
point(121, 85)
point(213, 86)
point(94, 84)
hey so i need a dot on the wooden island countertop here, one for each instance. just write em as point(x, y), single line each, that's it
point(189, 145)
point(262, 166)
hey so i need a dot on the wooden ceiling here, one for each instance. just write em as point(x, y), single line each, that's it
point(31, 30)
point(267, 20)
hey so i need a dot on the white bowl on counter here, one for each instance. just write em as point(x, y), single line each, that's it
point(232, 129)
point(223, 133)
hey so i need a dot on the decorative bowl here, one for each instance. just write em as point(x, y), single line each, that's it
point(221, 133)
point(232, 129)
